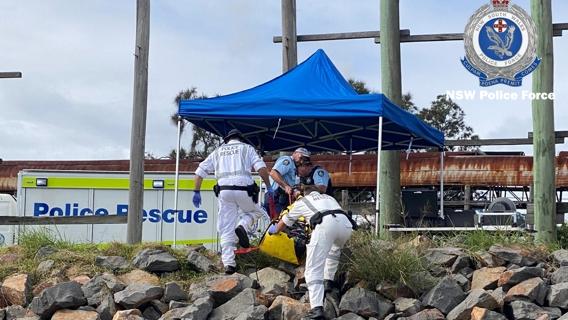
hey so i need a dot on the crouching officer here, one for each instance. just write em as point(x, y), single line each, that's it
point(331, 228)
point(232, 162)
point(316, 175)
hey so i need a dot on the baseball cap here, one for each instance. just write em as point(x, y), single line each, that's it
point(303, 152)
point(233, 133)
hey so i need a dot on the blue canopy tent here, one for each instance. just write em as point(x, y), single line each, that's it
point(312, 106)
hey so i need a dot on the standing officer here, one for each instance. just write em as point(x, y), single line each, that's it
point(332, 227)
point(316, 175)
point(232, 162)
point(283, 177)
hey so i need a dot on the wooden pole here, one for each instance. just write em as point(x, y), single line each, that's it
point(390, 200)
point(543, 126)
point(289, 40)
point(138, 133)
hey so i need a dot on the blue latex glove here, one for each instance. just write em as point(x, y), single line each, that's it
point(197, 198)
point(272, 229)
point(270, 192)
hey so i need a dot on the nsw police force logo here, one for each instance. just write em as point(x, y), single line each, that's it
point(500, 44)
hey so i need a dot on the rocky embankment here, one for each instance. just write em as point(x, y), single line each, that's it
point(501, 283)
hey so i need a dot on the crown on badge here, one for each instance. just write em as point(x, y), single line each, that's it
point(500, 4)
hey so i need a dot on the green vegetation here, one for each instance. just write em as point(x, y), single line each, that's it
point(374, 260)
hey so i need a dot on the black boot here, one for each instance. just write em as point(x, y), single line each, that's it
point(315, 313)
point(243, 237)
point(230, 269)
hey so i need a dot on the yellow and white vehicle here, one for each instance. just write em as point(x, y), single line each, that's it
point(44, 193)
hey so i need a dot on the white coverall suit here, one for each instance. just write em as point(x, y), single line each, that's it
point(232, 163)
point(326, 241)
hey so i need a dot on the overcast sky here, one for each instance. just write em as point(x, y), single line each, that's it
point(75, 98)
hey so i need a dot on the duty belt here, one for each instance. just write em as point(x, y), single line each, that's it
point(318, 217)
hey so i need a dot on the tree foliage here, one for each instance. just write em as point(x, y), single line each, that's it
point(443, 114)
point(202, 142)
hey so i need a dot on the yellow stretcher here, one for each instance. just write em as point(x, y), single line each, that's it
point(281, 246)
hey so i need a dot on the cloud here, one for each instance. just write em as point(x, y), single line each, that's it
point(75, 98)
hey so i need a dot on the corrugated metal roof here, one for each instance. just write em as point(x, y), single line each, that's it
point(419, 170)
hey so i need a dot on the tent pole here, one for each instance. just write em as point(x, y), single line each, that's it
point(350, 153)
point(176, 188)
point(378, 191)
point(442, 184)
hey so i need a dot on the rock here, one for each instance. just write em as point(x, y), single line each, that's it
point(75, 315)
point(107, 307)
point(221, 288)
point(462, 281)
point(483, 314)
point(159, 306)
point(178, 304)
point(286, 308)
point(445, 296)
point(114, 263)
point(199, 310)
point(422, 282)
point(516, 256)
point(83, 279)
point(258, 313)
point(513, 277)
point(132, 314)
point(330, 306)
point(486, 259)
point(365, 303)
point(444, 257)
point(100, 286)
point(299, 277)
point(407, 306)
point(155, 260)
point(350, 316)
point(44, 252)
point(560, 275)
point(499, 296)
point(272, 281)
point(18, 312)
point(560, 257)
point(199, 262)
point(428, 314)
point(16, 289)
point(244, 302)
point(461, 263)
point(553, 312)
point(558, 295)
point(45, 266)
point(172, 291)
point(392, 292)
point(476, 298)
point(137, 294)
point(65, 295)
point(139, 276)
point(486, 278)
point(520, 309)
point(533, 289)
point(44, 285)
point(150, 313)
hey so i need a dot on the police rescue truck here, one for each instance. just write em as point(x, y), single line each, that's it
point(46, 193)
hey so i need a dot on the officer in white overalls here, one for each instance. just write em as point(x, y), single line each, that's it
point(232, 162)
point(331, 228)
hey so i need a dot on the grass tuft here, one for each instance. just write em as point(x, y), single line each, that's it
point(373, 261)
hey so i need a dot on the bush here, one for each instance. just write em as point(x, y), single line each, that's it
point(377, 261)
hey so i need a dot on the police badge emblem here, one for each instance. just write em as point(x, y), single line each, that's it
point(500, 44)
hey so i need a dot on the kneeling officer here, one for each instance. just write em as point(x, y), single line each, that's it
point(332, 227)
